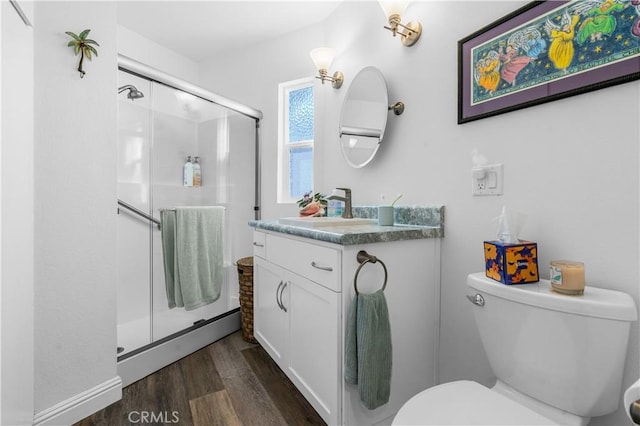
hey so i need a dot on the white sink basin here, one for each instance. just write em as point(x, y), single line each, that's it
point(321, 222)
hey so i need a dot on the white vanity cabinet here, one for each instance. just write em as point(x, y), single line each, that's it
point(302, 291)
point(297, 320)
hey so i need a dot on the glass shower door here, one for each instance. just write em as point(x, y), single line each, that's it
point(157, 133)
point(186, 126)
point(134, 242)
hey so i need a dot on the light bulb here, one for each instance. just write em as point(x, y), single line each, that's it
point(393, 7)
point(322, 57)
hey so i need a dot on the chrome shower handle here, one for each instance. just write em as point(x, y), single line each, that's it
point(476, 300)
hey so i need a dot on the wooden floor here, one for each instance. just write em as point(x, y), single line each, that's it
point(230, 382)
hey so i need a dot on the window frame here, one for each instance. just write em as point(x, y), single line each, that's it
point(284, 147)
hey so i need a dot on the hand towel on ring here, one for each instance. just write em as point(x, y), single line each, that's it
point(368, 349)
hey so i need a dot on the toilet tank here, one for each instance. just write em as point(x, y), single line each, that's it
point(566, 351)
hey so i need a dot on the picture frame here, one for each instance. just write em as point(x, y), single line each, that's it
point(547, 50)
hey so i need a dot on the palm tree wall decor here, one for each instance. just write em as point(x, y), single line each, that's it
point(83, 46)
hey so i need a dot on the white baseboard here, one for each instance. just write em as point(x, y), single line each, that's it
point(81, 405)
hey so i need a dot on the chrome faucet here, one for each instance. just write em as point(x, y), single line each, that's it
point(346, 212)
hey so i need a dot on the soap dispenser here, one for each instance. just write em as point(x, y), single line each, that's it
point(197, 172)
point(187, 173)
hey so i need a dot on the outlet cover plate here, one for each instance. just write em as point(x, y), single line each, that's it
point(487, 180)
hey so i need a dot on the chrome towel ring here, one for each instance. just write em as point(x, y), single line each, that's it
point(363, 258)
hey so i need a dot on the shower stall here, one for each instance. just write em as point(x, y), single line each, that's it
point(162, 122)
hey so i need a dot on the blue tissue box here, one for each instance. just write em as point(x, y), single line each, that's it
point(511, 263)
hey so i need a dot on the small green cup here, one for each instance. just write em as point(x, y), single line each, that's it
point(385, 215)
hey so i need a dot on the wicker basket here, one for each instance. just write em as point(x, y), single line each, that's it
point(245, 279)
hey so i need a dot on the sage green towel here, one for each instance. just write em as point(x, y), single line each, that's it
point(368, 349)
point(168, 232)
point(192, 243)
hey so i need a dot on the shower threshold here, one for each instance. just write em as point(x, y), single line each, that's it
point(150, 358)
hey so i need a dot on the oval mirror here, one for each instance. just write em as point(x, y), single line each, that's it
point(363, 117)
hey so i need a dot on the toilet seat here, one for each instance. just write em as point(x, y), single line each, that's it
point(465, 403)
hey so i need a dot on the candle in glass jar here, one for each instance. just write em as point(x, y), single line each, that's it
point(567, 276)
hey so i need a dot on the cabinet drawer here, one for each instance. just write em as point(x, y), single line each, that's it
point(259, 244)
point(317, 263)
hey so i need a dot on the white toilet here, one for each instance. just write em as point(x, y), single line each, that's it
point(558, 359)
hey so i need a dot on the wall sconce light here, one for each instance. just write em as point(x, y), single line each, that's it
point(322, 57)
point(410, 32)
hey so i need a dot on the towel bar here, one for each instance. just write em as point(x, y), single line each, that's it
point(139, 213)
point(363, 258)
point(174, 209)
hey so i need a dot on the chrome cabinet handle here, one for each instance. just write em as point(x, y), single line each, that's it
point(279, 291)
point(476, 300)
point(258, 245)
point(324, 268)
point(284, 308)
point(278, 295)
point(634, 410)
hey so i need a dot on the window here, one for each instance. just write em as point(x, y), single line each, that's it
point(295, 139)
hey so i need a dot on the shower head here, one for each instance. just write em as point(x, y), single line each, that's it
point(133, 92)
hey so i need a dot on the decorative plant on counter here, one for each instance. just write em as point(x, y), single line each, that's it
point(83, 46)
point(315, 205)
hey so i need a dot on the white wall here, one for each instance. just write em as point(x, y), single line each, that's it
point(16, 226)
point(571, 165)
point(140, 48)
point(75, 214)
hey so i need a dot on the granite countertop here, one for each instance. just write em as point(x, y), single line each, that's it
point(410, 223)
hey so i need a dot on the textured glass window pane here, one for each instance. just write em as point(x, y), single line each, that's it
point(301, 115)
point(300, 171)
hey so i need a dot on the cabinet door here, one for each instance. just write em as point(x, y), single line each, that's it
point(270, 319)
point(314, 318)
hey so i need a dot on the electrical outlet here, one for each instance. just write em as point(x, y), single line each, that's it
point(487, 180)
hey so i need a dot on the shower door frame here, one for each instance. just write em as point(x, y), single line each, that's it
point(156, 355)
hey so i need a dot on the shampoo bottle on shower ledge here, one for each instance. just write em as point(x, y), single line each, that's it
point(197, 172)
point(187, 173)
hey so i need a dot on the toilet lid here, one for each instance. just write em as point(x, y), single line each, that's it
point(465, 403)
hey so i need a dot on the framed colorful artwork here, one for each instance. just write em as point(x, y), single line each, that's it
point(545, 51)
